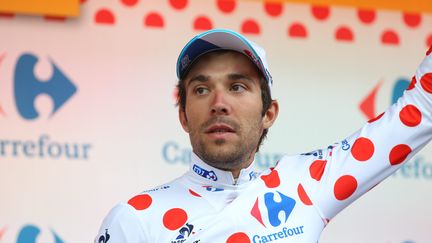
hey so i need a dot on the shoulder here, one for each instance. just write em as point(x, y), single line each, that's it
point(299, 163)
point(133, 220)
point(121, 225)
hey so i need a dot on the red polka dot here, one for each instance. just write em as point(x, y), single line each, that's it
point(412, 19)
point(297, 30)
point(390, 37)
point(426, 82)
point(154, 20)
point(239, 237)
point(320, 12)
point(129, 3)
point(250, 26)
point(344, 34)
point(399, 153)
point(412, 84)
point(366, 16)
point(226, 6)
point(410, 116)
point(7, 15)
point(316, 169)
point(303, 195)
point(104, 16)
point(174, 218)
point(273, 9)
point(376, 118)
point(344, 187)
point(362, 149)
point(202, 23)
point(140, 202)
point(178, 4)
point(429, 44)
point(271, 180)
point(55, 18)
point(194, 193)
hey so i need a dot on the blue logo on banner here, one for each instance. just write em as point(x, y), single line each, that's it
point(28, 87)
point(398, 89)
point(29, 234)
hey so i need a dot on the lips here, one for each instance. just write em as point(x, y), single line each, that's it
point(220, 128)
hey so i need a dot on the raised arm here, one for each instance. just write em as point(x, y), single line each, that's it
point(379, 148)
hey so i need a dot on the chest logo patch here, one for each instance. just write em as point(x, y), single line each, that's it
point(273, 208)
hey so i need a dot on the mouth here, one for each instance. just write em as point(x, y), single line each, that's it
point(219, 129)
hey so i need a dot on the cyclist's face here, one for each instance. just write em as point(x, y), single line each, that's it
point(223, 113)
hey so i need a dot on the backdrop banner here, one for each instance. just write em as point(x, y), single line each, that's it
point(88, 116)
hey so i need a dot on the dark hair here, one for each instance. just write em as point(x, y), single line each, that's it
point(265, 97)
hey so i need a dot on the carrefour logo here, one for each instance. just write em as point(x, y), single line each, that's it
point(368, 105)
point(284, 204)
point(27, 87)
point(277, 206)
point(30, 233)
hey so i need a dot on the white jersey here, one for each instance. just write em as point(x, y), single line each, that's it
point(291, 202)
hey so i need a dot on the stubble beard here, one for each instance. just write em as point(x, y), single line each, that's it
point(226, 156)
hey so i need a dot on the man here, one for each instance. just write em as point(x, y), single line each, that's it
point(226, 108)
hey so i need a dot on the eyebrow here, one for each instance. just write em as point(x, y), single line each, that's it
point(199, 78)
point(237, 76)
point(233, 76)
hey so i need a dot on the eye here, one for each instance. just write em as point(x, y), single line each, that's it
point(238, 88)
point(201, 90)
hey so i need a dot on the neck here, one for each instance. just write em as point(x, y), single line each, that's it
point(232, 176)
point(232, 166)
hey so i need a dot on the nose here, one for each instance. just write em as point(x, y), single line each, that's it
point(219, 104)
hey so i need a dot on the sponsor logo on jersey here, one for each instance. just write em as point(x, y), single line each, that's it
point(211, 175)
point(253, 175)
point(213, 189)
point(317, 153)
point(157, 189)
point(345, 145)
point(184, 233)
point(277, 206)
point(283, 233)
point(104, 238)
point(273, 207)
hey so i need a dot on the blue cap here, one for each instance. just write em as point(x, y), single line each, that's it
point(222, 39)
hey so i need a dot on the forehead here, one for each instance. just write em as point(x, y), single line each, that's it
point(223, 60)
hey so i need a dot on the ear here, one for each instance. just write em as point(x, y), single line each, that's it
point(271, 114)
point(183, 120)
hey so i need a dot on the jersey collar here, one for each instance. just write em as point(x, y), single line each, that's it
point(210, 174)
